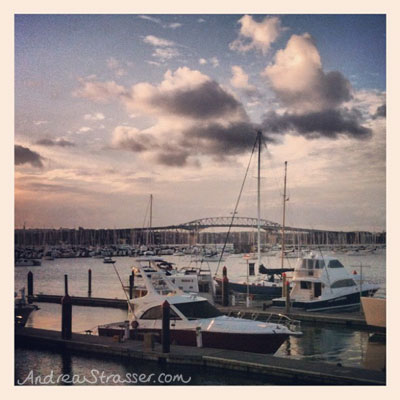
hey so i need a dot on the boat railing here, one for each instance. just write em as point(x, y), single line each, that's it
point(281, 319)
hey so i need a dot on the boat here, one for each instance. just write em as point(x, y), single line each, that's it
point(190, 279)
point(374, 311)
point(27, 262)
point(108, 260)
point(22, 310)
point(322, 283)
point(258, 285)
point(192, 316)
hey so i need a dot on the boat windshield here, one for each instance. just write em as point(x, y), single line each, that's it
point(198, 309)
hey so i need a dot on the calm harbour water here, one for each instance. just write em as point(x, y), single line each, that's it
point(329, 344)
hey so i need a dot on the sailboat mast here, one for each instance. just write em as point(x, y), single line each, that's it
point(151, 219)
point(283, 218)
point(258, 202)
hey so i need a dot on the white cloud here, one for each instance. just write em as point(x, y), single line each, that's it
point(174, 25)
point(84, 129)
point(214, 61)
point(158, 42)
point(99, 92)
point(94, 117)
point(299, 81)
point(165, 53)
point(255, 35)
point(152, 19)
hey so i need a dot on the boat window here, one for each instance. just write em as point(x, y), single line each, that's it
point(319, 264)
point(343, 283)
point(198, 309)
point(335, 264)
point(156, 313)
point(305, 285)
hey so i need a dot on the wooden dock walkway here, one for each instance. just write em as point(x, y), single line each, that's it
point(287, 371)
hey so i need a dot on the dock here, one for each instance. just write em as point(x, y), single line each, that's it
point(353, 320)
point(286, 371)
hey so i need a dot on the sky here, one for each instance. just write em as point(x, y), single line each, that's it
point(112, 108)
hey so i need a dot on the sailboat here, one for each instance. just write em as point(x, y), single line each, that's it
point(269, 286)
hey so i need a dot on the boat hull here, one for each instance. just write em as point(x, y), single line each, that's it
point(262, 292)
point(267, 343)
point(346, 301)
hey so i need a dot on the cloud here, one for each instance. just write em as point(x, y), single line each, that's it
point(130, 138)
point(185, 93)
point(24, 155)
point(115, 66)
point(99, 92)
point(299, 81)
point(214, 62)
point(312, 125)
point(255, 35)
point(152, 19)
point(40, 122)
point(57, 142)
point(380, 112)
point(166, 53)
point(174, 25)
point(202, 61)
point(158, 42)
point(94, 117)
point(240, 80)
point(84, 129)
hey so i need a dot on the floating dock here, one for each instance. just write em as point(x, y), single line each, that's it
point(286, 371)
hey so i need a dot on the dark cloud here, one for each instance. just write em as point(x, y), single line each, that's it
point(329, 123)
point(217, 139)
point(207, 100)
point(173, 157)
point(326, 92)
point(380, 112)
point(58, 142)
point(24, 155)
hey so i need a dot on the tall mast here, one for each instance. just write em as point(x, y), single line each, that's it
point(151, 219)
point(283, 217)
point(258, 202)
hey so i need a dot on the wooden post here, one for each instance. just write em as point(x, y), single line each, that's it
point(66, 313)
point(225, 288)
point(90, 283)
point(30, 287)
point(283, 285)
point(165, 334)
point(131, 284)
point(287, 298)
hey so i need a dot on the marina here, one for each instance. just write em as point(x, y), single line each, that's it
point(107, 304)
point(200, 200)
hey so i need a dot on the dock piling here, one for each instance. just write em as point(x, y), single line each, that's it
point(131, 284)
point(287, 290)
point(225, 287)
point(66, 313)
point(165, 335)
point(283, 285)
point(30, 287)
point(90, 283)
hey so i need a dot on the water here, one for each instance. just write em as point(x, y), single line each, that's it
point(328, 344)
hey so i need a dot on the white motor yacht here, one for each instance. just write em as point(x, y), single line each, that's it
point(192, 315)
point(322, 283)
